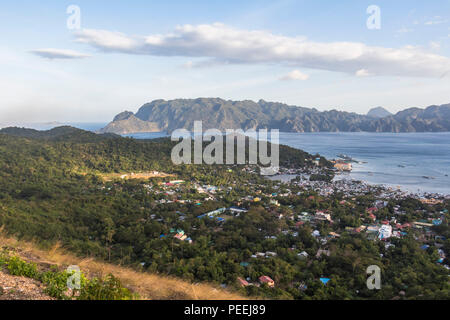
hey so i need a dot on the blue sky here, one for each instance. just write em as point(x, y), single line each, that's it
point(310, 53)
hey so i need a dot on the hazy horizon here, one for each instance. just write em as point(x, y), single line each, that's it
point(100, 121)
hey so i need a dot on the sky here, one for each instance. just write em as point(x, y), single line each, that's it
point(86, 61)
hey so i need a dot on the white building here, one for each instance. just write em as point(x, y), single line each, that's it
point(385, 232)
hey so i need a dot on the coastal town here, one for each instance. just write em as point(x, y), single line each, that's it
point(243, 158)
point(307, 232)
point(387, 216)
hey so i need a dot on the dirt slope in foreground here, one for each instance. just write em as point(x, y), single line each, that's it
point(21, 288)
point(148, 286)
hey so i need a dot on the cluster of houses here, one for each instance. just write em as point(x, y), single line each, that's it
point(234, 211)
point(261, 280)
point(373, 227)
point(172, 190)
point(267, 254)
point(382, 230)
point(352, 188)
point(178, 234)
point(271, 283)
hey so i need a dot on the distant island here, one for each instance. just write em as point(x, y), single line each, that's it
point(167, 116)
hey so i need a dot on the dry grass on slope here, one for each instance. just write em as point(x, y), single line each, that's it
point(148, 286)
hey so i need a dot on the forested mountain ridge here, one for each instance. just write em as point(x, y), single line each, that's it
point(110, 152)
point(162, 115)
point(63, 133)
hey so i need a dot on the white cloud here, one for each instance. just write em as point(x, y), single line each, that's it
point(434, 45)
point(295, 75)
point(109, 40)
point(404, 30)
point(437, 20)
point(59, 54)
point(362, 73)
point(224, 44)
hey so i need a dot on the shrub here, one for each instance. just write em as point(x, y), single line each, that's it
point(18, 267)
point(109, 288)
point(3, 260)
point(56, 283)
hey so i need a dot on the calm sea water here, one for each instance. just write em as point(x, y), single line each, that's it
point(395, 159)
point(414, 161)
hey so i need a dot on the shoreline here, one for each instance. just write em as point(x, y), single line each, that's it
point(338, 183)
point(363, 171)
point(416, 189)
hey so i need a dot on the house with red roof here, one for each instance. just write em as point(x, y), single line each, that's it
point(267, 280)
point(300, 223)
point(242, 282)
point(372, 210)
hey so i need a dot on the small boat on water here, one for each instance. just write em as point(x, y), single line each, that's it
point(345, 157)
point(427, 177)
